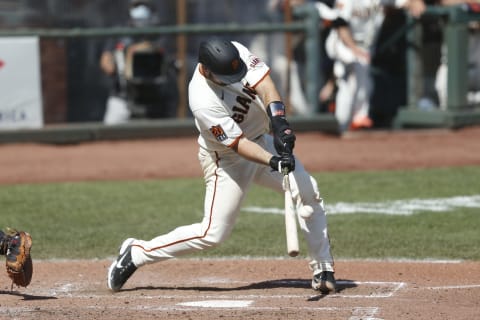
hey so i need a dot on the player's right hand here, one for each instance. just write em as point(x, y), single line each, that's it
point(283, 164)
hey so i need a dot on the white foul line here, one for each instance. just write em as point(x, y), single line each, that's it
point(396, 207)
point(472, 286)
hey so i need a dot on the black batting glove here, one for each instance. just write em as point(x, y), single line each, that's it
point(283, 136)
point(284, 164)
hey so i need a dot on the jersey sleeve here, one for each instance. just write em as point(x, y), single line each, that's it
point(257, 69)
point(217, 127)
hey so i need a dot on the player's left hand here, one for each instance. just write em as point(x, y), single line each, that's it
point(284, 164)
point(284, 139)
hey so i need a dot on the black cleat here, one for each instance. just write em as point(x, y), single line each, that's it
point(122, 268)
point(324, 282)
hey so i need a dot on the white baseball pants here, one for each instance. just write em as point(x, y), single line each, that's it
point(353, 81)
point(228, 178)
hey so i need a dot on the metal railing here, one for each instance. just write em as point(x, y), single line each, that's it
point(457, 113)
point(308, 23)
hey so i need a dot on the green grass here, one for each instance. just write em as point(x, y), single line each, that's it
point(89, 220)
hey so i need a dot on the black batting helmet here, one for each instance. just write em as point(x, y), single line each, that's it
point(222, 58)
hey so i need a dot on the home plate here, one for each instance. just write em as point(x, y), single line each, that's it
point(217, 304)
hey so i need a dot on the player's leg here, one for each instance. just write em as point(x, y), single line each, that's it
point(307, 197)
point(361, 98)
point(344, 99)
point(314, 229)
point(116, 111)
point(343, 58)
point(227, 181)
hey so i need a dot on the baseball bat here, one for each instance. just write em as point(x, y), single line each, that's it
point(290, 219)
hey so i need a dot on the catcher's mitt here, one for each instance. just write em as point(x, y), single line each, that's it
point(19, 262)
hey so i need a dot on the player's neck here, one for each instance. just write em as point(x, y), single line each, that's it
point(201, 70)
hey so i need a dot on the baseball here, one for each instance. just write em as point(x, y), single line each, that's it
point(305, 211)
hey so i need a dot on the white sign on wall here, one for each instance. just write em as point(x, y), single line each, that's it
point(20, 83)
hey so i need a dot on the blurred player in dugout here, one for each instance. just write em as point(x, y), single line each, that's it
point(142, 74)
point(351, 41)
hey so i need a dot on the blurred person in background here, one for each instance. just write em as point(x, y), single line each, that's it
point(350, 44)
point(142, 73)
point(328, 88)
point(388, 66)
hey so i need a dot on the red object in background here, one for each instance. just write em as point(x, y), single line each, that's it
point(473, 7)
point(1, 63)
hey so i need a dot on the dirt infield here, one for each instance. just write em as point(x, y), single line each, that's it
point(243, 288)
point(171, 158)
point(248, 289)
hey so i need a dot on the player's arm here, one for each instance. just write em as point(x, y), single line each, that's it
point(345, 34)
point(107, 63)
point(416, 7)
point(254, 152)
point(284, 138)
point(267, 90)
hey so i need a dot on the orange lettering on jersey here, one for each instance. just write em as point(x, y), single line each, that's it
point(218, 133)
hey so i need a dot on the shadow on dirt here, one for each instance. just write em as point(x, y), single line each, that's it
point(269, 284)
point(25, 296)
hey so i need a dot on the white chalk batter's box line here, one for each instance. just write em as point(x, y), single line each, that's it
point(71, 291)
point(393, 286)
point(200, 303)
point(356, 313)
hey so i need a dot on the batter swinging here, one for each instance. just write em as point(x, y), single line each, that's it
point(234, 101)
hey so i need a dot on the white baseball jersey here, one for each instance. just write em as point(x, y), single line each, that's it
point(364, 17)
point(224, 113)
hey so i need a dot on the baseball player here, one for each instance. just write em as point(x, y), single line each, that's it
point(349, 44)
point(234, 102)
